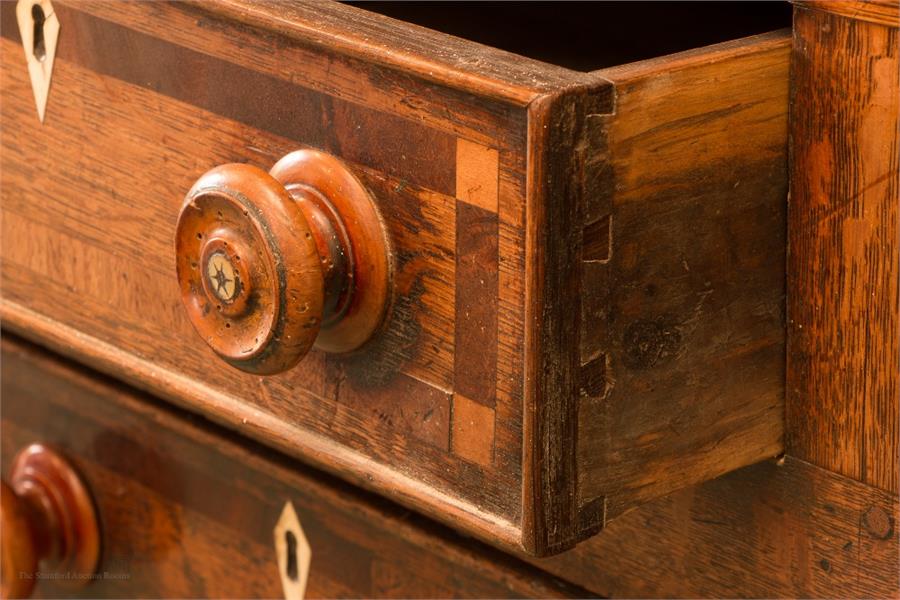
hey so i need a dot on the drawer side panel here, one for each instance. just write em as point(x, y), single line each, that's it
point(683, 340)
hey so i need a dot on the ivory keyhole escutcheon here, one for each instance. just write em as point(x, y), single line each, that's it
point(292, 553)
point(39, 30)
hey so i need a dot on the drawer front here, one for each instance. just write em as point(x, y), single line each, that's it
point(587, 273)
point(130, 138)
point(185, 511)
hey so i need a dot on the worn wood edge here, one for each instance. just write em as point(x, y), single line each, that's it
point(882, 12)
point(342, 496)
point(230, 412)
point(516, 79)
point(556, 153)
point(268, 56)
point(544, 466)
point(754, 44)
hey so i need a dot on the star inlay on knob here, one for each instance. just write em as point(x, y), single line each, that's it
point(222, 277)
point(272, 263)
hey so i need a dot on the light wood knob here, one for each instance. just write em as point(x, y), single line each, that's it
point(48, 520)
point(271, 264)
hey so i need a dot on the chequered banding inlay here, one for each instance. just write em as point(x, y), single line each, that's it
point(477, 274)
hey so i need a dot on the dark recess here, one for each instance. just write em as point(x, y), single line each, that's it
point(591, 35)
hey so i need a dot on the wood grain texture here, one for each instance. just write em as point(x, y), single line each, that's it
point(843, 400)
point(452, 61)
point(766, 531)
point(477, 271)
point(682, 357)
point(881, 12)
point(241, 224)
point(330, 69)
point(566, 177)
point(187, 510)
point(110, 275)
point(172, 142)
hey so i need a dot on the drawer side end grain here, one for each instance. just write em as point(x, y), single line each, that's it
point(558, 153)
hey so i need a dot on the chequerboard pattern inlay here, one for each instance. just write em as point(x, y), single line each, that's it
point(477, 275)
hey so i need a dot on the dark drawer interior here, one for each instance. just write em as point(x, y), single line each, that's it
point(592, 35)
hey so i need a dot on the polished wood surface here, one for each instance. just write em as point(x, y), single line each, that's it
point(271, 263)
point(382, 418)
point(18, 553)
point(820, 522)
point(353, 245)
point(844, 260)
point(250, 275)
point(532, 370)
point(50, 526)
point(187, 509)
point(587, 321)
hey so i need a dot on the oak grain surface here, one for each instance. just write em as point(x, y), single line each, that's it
point(765, 531)
point(844, 247)
point(108, 258)
point(882, 12)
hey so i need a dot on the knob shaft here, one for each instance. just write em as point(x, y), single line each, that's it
point(47, 515)
point(271, 264)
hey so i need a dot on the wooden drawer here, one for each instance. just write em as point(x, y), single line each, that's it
point(187, 511)
point(587, 268)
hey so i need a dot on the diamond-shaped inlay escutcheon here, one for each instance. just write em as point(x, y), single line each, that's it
point(39, 30)
point(293, 552)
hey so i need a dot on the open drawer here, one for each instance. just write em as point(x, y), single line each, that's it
point(583, 271)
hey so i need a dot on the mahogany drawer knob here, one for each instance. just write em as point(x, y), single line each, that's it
point(47, 515)
point(271, 264)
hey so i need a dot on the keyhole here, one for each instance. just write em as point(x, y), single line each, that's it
point(38, 48)
point(291, 567)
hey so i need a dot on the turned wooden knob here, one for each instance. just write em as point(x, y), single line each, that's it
point(271, 264)
point(47, 518)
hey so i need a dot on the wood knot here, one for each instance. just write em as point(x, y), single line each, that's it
point(648, 343)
